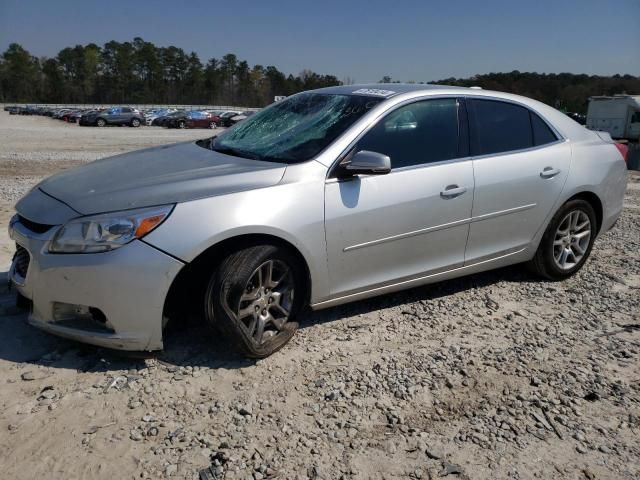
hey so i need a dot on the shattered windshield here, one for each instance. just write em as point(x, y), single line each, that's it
point(296, 129)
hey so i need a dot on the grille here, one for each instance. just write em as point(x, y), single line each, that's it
point(21, 259)
point(33, 226)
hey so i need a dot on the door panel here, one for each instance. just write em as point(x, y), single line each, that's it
point(382, 229)
point(115, 115)
point(520, 167)
point(512, 198)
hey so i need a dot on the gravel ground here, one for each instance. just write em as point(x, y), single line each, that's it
point(493, 376)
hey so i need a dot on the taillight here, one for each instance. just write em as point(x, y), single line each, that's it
point(624, 151)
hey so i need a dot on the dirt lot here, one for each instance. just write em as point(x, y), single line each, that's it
point(494, 376)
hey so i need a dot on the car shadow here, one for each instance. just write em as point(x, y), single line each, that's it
point(189, 341)
point(433, 291)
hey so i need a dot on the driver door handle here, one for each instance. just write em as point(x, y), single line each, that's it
point(549, 172)
point(452, 191)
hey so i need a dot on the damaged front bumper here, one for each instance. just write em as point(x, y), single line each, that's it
point(113, 299)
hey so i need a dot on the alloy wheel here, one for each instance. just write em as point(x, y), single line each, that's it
point(571, 240)
point(267, 300)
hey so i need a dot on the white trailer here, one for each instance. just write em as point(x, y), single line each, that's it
point(618, 115)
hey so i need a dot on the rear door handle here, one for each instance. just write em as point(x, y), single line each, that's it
point(549, 172)
point(452, 191)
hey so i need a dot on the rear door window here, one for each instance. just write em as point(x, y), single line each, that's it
point(499, 127)
point(419, 133)
point(542, 134)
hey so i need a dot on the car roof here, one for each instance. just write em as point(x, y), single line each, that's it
point(386, 90)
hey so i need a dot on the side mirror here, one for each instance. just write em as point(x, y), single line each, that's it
point(365, 162)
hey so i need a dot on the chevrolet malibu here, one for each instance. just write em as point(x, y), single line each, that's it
point(327, 197)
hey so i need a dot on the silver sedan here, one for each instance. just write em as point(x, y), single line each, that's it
point(327, 197)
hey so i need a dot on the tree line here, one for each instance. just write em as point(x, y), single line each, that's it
point(566, 91)
point(140, 72)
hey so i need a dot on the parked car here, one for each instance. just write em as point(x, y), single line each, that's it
point(177, 120)
point(241, 116)
point(73, 116)
point(200, 120)
point(154, 114)
point(326, 197)
point(28, 110)
point(58, 114)
point(224, 119)
point(164, 119)
point(113, 116)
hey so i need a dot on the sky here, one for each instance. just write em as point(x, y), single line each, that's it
point(417, 40)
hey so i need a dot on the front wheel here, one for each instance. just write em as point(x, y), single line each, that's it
point(254, 297)
point(567, 242)
point(101, 122)
point(212, 125)
point(181, 124)
point(135, 122)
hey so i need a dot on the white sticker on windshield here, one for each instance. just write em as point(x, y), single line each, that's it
point(374, 91)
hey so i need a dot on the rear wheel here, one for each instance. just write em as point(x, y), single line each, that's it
point(567, 242)
point(254, 297)
point(181, 124)
point(101, 122)
point(212, 125)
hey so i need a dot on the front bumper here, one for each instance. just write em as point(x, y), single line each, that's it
point(127, 285)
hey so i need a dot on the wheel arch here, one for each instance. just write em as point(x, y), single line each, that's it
point(595, 201)
point(186, 292)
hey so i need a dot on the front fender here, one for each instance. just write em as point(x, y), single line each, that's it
point(291, 211)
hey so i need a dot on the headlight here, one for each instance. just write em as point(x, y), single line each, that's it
point(108, 231)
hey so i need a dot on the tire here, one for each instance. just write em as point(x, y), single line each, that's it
point(135, 122)
point(212, 125)
point(236, 289)
point(555, 243)
point(181, 124)
point(101, 122)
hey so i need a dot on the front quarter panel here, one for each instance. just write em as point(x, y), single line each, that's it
point(293, 210)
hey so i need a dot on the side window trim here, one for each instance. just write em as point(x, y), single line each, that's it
point(463, 126)
point(464, 132)
point(471, 116)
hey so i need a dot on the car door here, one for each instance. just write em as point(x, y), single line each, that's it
point(114, 115)
point(383, 229)
point(520, 166)
point(203, 120)
point(126, 114)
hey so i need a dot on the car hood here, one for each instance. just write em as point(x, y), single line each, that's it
point(156, 176)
